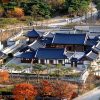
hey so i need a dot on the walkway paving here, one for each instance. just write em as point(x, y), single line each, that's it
point(92, 95)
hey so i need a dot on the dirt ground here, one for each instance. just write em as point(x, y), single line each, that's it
point(7, 34)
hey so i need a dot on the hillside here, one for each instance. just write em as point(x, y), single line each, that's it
point(43, 8)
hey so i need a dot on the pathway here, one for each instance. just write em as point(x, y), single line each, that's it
point(92, 95)
point(64, 21)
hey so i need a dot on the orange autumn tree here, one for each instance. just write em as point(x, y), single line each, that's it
point(24, 91)
point(46, 88)
point(4, 76)
point(63, 90)
point(18, 12)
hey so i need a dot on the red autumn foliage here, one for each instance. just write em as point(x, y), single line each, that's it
point(73, 95)
point(5, 1)
point(59, 89)
point(4, 76)
point(46, 88)
point(63, 90)
point(24, 91)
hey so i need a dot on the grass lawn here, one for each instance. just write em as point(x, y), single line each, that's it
point(8, 21)
point(4, 22)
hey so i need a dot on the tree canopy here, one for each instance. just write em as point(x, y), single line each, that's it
point(97, 2)
point(45, 88)
point(4, 76)
point(44, 8)
point(24, 91)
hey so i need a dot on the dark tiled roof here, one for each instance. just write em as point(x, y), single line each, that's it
point(96, 49)
point(91, 42)
point(69, 38)
point(92, 55)
point(94, 35)
point(74, 59)
point(2, 54)
point(98, 45)
point(69, 54)
point(50, 53)
point(27, 55)
point(47, 40)
point(23, 49)
point(32, 34)
point(49, 35)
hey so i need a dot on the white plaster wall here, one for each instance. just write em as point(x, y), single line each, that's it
point(1, 46)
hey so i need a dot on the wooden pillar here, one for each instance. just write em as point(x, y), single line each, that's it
point(63, 62)
point(57, 62)
point(39, 61)
point(45, 61)
point(54, 61)
point(48, 62)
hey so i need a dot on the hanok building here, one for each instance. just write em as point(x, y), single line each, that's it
point(67, 49)
point(32, 35)
point(72, 42)
point(51, 56)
